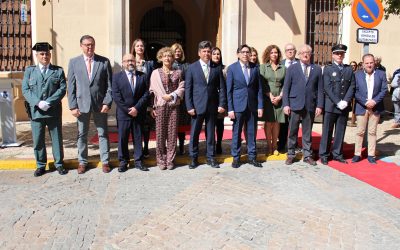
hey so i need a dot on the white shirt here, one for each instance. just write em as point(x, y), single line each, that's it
point(370, 86)
point(290, 62)
point(129, 75)
point(41, 68)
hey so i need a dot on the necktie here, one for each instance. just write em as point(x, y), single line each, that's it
point(89, 66)
point(305, 71)
point(44, 70)
point(132, 81)
point(290, 63)
point(206, 71)
point(246, 74)
point(340, 66)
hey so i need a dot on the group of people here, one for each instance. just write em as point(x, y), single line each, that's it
point(171, 94)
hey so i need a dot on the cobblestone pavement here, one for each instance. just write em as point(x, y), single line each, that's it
point(276, 207)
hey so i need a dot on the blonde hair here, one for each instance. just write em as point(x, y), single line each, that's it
point(178, 46)
point(162, 51)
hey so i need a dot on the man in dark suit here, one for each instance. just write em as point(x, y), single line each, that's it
point(371, 87)
point(130, 93)
point(303, 99)
point(245, 103)
point(290, 54)
point(339, 84)
point(89, 93)
point(43, 87)
point(205, 96)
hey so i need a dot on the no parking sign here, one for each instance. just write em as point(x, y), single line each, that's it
point(367, 13)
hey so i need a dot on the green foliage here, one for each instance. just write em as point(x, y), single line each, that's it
point(391, 7)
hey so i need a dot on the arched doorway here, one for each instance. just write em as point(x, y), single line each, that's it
point(161, 27)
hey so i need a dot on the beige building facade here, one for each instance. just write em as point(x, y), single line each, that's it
point(115, 24)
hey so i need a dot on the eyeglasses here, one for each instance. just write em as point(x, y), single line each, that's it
point(44, 53)
point(88, 45)
point(129, 60)
point(245, 52)
point(306, 52)
point(289, 50)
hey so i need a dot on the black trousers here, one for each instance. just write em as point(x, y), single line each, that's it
point(196, 124)
point(126, 128)
point(339, 122)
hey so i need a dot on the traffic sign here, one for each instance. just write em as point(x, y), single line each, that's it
point(367, 13)
point(367, 35)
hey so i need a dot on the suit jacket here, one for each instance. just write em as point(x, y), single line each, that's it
point(89, 94)
point(338, 85)
point(240, 95)
point(203, 96)
point(299, 93)
point(50, 87)
point(361, 94)
point(125, 98)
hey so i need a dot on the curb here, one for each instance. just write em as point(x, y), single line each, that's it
point(30, 164)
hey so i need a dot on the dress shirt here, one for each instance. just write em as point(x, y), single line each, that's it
point(91, 66)
point(130, 78)
point(370, 79)
point(41, 66)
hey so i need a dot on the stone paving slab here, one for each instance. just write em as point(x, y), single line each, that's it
point(276, 207)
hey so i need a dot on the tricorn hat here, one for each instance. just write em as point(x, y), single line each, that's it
point(43, 46)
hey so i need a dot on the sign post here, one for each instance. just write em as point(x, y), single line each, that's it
point(368, 14)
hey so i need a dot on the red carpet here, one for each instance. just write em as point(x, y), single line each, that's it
point(384, 176)
point(113, 136)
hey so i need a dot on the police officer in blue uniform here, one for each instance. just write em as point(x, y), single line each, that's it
point(43, 87)
point(339, 86)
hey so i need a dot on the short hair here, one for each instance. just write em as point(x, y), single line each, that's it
point(252, 49)
point(178, 46)
point(266, 55)
point(162, 51)
point(305, 46)
point(86, 37)
point(290, 44)
point(241, 47)
point(368, 55)
point(214, 49)
point(205, 44)
point(133, 52)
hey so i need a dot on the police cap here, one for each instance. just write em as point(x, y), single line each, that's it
point(42, 46)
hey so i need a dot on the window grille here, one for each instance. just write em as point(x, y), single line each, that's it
point(324, 28)
point(16, 39)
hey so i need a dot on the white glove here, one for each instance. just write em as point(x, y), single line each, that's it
point(342, 105)
point(43, 105)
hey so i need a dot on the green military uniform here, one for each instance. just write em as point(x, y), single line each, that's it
point(50, 87)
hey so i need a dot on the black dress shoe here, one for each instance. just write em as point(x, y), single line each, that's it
point(355, 159)
point(236, 164)
point(310, 161)
point(371, 160)
point(39, 171)
point(255, 163)
point(61, 170)
point(212, 163)
point(324, 160)
point(140, 166)
point(340, 159)
point(122, 168)
point(194, 163)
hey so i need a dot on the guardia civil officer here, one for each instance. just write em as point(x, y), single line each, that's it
point(43, 87)
point(339, 85)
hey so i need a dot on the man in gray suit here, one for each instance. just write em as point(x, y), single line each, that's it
point(89, 93)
